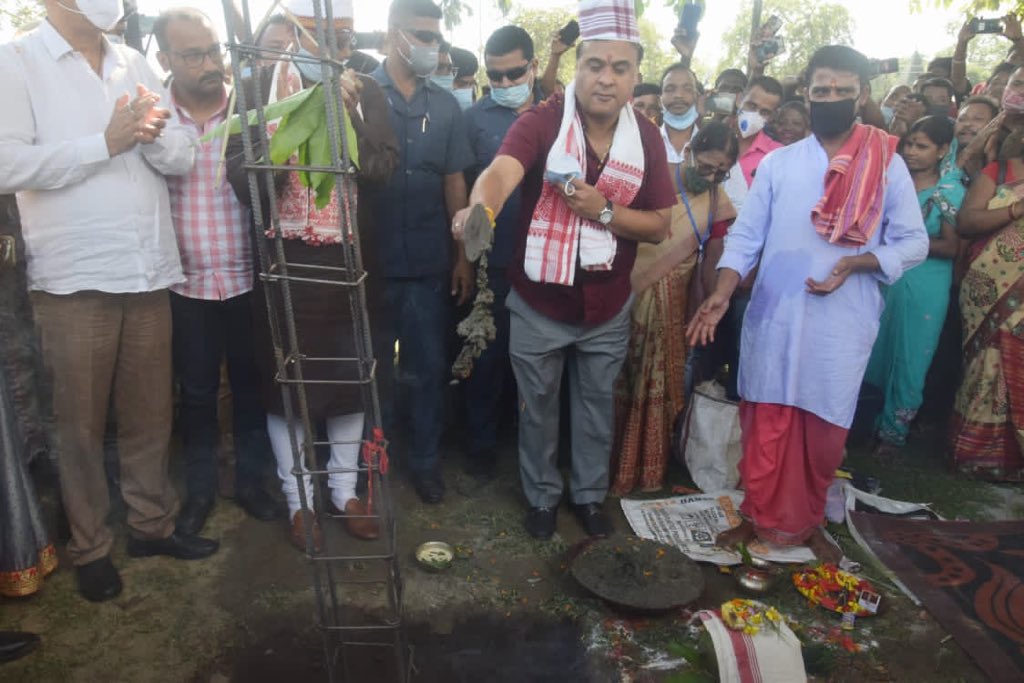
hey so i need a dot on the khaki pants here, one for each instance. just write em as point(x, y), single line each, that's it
point(98, 345)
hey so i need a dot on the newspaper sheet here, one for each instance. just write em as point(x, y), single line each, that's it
point(691, 524)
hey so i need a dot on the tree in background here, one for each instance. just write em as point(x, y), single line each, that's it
point(806, 26)
point(16, 14)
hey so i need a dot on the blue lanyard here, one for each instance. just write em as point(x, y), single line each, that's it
point(701, 239)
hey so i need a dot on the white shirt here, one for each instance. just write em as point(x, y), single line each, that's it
point(90, 222)
point(674, 156)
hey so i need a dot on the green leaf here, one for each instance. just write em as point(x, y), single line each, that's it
point(233, 126)
point(298, 126)
point(690, 654)
point(353, 142)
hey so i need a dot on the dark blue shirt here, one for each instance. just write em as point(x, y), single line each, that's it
point(413, 231)
point(486, 123)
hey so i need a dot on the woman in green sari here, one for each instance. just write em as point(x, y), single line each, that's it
point(915, 307)
point(988, 422)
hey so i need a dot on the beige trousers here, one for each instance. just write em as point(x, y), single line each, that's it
point(100, 346)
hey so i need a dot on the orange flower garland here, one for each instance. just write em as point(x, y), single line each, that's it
point(833, 589)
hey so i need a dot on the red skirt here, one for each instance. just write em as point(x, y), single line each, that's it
point(789, 460)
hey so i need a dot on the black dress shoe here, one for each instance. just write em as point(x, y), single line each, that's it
point(430, 488)
point(99, 581)
point(192, 517)
point(592, 519)
point(258, 504)
point(17, 644)
point(178, 546)
point(540, 522)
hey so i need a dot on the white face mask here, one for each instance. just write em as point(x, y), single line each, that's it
point(103, 14)
point(750, 123)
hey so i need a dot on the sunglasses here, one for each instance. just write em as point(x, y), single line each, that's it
point(425, 37)
point(512, 74)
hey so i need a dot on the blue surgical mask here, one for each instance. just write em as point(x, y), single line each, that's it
point(311, 71)
point(444, 82)
point(680, 121)
point(513, 96)
point(464, 96)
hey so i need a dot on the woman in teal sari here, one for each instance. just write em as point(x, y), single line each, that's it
point(915, 307)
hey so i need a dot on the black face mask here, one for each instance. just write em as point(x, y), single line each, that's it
point(938, 110)
point(831, 119)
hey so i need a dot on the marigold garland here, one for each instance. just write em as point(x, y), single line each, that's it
point(750, 616)
point(833, 589)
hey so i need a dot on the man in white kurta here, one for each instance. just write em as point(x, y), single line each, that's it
point(814, 310)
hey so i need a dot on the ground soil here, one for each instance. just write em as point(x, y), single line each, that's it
point(507, 610)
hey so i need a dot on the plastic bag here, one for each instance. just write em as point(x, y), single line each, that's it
point(711, 446)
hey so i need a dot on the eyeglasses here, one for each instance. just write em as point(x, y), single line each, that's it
point(708, 171)
point(425, 37)
point(512, 74)
point(194, 58)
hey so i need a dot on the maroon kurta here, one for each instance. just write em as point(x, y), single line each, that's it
point(596, 296)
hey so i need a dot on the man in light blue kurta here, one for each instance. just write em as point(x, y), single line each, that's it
point(815, 307)
point(801, 349)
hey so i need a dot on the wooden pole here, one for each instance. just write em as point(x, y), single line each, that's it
point(755, 28)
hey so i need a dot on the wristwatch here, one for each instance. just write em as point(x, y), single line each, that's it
point(605, 217)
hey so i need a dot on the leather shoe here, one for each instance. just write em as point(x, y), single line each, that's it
point(258, 504)
point(193, 514)
point(98, 580)
point(430, 488)
point(17, 644)
point(366, 528)
point(592, 518)
point(297, 535)
point(177, 545)
point(540, 522)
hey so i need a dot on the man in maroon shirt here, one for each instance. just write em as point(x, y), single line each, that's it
point(563, 305)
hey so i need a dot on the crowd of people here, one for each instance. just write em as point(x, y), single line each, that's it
point(797, 238)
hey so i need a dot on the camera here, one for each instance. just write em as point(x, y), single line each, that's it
point(986, 25)
point(568, 34)
point(770, 47)
point(689, 19)
point(722, 103)
point(885, 66)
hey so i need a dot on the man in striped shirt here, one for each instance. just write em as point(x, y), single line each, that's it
point(211, 310)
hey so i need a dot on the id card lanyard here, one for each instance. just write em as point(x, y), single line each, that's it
point(701, 239)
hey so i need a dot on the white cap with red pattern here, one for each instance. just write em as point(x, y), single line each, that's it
point(608, 20)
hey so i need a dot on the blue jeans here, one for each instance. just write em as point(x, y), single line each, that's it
point(484, 388)
point(204, 334)
point(418, 316)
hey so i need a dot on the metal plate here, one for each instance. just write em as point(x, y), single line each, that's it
point(638, 575)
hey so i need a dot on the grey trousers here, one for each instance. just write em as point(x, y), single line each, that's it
point(539, 348)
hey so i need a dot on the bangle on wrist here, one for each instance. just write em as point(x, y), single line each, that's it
point(1013, 212)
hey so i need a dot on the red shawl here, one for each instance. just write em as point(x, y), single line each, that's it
point(851, 209)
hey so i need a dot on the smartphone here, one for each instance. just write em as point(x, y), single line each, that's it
point(986, 25)
point(885, 66)
point(722, 103)
point(770, 47)
point(568, 34)
point(370, 41)
point(689, 18)
point(771, 26)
